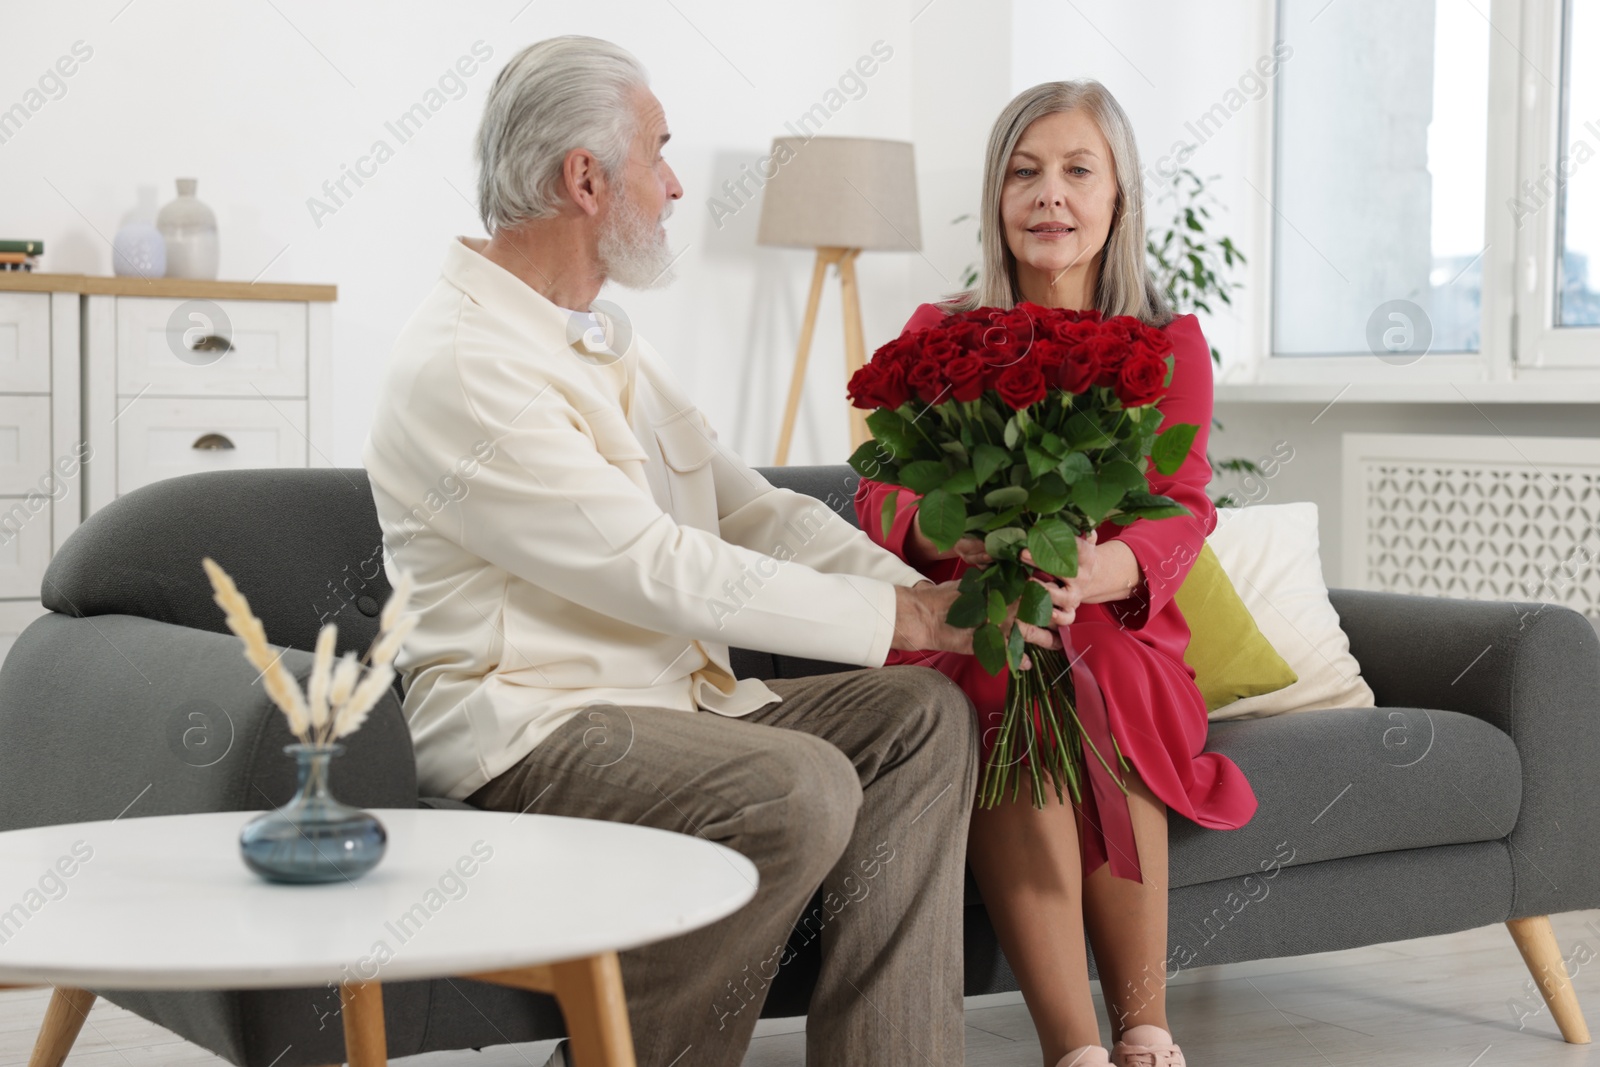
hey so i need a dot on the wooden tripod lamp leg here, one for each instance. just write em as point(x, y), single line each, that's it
point(1536, 940)
point(855, 348)
point(807, 329)
point(63, 1018)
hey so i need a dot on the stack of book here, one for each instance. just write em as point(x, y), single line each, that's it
point(20, 255)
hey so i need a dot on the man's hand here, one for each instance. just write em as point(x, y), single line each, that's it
point(920, 624)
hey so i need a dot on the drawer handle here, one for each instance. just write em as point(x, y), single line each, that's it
point(208, 343)
point(211, 442)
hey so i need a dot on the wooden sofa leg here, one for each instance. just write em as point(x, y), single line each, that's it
point(1536, 940)
point(63, 1018)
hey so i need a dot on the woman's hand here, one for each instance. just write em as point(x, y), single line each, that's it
point(1067, 593)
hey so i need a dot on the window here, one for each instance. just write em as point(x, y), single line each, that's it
point(1382, 121)
point(1578, 291)
point(1435, 196)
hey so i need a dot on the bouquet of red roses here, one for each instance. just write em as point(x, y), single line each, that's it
point(1028, 427)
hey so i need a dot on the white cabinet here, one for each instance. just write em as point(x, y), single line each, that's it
point(109, 384)
point(203, 376)
point(42, 450)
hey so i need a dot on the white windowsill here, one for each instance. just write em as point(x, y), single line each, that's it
point(1421, 392)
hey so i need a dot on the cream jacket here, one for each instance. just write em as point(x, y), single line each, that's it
point(578, 536)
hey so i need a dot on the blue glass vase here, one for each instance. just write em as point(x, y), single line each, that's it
point(313, 838)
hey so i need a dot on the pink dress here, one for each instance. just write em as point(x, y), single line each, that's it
point(1134, 646)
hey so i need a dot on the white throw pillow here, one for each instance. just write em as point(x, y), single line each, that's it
point(1270, 552)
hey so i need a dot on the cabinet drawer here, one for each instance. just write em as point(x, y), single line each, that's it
point(24, 544)
point(266, 339)
point(162, 438)
point(25, 342)
point(25, 446)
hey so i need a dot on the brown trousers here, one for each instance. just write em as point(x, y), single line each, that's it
point(861, 782)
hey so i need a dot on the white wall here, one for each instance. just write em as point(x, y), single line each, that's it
point(265, 102)
point(1168, 63)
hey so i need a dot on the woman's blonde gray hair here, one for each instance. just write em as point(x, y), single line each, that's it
point(1124, 286)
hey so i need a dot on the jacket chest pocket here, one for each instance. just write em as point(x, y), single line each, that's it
point(686, 451)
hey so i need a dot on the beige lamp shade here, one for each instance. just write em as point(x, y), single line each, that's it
point(841, 192)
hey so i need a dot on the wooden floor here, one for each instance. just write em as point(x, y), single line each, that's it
point(1434, 1002)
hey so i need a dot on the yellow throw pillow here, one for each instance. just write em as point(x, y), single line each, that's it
point(1230, 656)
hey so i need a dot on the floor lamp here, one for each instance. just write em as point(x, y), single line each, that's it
point(841, 196)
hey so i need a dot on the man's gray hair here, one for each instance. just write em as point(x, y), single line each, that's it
point(554, 96)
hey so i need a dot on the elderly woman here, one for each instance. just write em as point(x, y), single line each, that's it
point(1063, 227)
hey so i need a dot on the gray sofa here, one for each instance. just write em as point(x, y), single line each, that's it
point(1465, 799)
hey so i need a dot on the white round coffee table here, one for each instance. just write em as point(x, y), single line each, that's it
point(532, 901)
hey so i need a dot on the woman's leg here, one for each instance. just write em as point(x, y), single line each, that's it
point(1127, 921)
point(1025, 861)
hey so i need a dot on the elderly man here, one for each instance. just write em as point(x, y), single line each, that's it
point(585, 551)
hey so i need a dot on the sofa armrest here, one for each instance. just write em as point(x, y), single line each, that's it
point(113, 714)
point(1531, 670)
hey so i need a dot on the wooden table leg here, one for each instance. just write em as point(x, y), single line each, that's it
point(592, 1003)
point(362, 1007)
point(68, 1010)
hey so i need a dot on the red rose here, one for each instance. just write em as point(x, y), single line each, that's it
point(862, 382)
point(940, 350)
point(1048, 355)
point(1140, 380)
point(1080, 370)
point(966, 377)
point(1109, 352)
point(926, 379)
point(1020, 385)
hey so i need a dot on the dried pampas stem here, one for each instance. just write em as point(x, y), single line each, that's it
point(338, 696)
point(280, 685)
point(317, 685)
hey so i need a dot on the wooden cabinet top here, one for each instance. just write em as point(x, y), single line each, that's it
point(18, 281)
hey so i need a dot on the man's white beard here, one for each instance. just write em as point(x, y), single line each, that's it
point(631, 253)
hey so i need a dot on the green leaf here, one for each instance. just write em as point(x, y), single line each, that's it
point(962, 482)
point(956, 449)
point(1038, 459)
point(1096, 498)
point(872, 460)
point(968, 610)
point(892, 430)
point(1014, 645)
point(1049, 495)
point(997, 607)
point(1005, 543)
point(1006, 496)
point(1121, 472)
point(1053, 444)
point(986, 459)
point(1005, 518)
point(1082, 432)
point(976, 521)
point(943, 518)
point(1012, 432)
point(990, 647)
point(1074, 467)
point(890, 502)
point(1054, 547)
point(1172, 447)
point(923, 476)
point(1035, 606)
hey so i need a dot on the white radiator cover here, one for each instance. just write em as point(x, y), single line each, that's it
point(1478, 516)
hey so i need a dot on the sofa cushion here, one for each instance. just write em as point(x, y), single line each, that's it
point(1351, 781)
